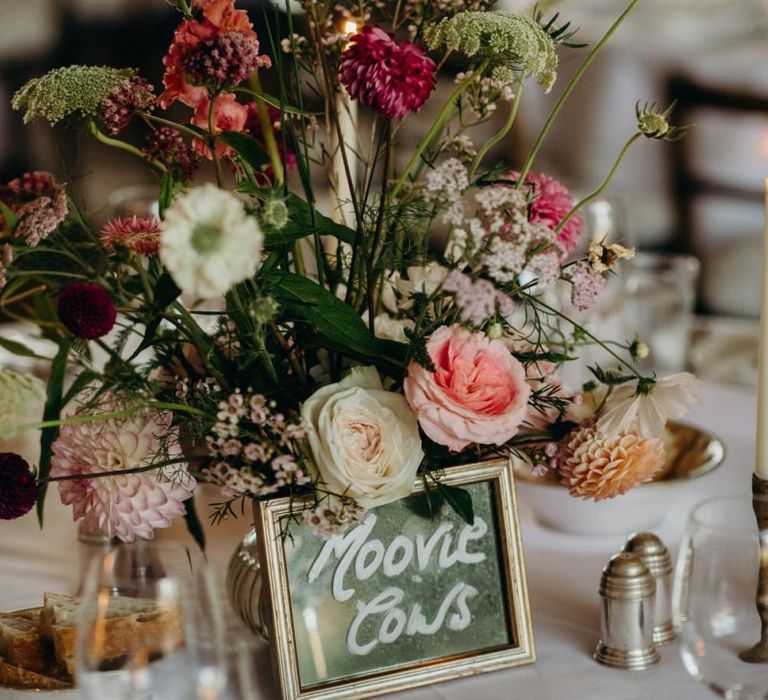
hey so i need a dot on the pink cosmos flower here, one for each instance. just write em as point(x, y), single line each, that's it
point(392, 79)
point(477, 395)
point(552, 201)
point(128, 506)
point(137, 233)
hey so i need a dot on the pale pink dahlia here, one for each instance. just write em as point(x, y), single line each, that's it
point(129, 505)
point(392, 79)
point(141, 234)
point(551, 202)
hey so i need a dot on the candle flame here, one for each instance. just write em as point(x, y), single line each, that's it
point(349, 27)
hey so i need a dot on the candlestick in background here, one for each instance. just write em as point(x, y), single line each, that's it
point(761, 442)
point(346, 109)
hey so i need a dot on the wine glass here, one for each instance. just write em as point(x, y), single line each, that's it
point(150, 626)
point(714, 597)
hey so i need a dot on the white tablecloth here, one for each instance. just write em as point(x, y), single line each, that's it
point(563, 575)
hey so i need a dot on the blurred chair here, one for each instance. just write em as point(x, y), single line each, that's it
point(719, 173)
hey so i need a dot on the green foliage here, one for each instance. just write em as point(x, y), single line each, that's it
point(334, 321)
point(53, 406)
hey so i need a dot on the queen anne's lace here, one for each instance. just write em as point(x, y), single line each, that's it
point(509, 41)
point(73, 90)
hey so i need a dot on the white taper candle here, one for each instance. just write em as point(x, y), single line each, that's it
point(761, 443)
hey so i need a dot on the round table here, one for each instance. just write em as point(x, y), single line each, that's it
point(563, 575)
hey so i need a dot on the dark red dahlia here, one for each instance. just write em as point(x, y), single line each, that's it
point(392, 79)
point(122, 102)
point(86, 310)
point(18, 489)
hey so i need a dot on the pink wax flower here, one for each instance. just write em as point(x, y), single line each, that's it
point(551, 202)
point(125, 506)
point(392, 79)
point(477, 395)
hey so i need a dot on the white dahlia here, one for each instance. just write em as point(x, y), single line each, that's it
point(130, 505)
point(209, 243)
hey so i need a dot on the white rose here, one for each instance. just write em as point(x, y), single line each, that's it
point(364, 440)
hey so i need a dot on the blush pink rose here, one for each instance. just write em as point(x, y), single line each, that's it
point(477, 395)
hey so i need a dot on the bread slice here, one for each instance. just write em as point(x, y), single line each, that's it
point(12, 676)
point(21, 643)
point(129, 624)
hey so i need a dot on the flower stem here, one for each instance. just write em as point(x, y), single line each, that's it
point(488, 145)
point(603, 185)
point(268, 132)
point(565, 94)
point(123, 146)
point(148, 117)
point(117, 472)
point(442, 119)
point(212, 141)
point(583, 330)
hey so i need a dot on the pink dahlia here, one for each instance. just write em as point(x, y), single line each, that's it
point(551, 202)
point(18, 490)
point(392, 79)
point(141, 234)
point(122, 505)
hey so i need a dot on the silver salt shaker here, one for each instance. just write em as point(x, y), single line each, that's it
point(627, 590)
point(651, 551)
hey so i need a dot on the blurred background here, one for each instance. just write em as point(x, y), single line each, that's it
point(701, 197)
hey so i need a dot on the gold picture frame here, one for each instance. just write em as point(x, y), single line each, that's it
point(497, 476)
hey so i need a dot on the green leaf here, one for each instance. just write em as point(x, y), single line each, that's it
point(81, 382)
point(425, 505)
point(194, 526)
point(170, 186)
point(53, 405)
point(301, 221)
point(300, 224)
point(331, 317)
point(247, 147)
point(8, 215)
point(275, 102)
point(459, 500)
point(166, 292)
point(19, 349)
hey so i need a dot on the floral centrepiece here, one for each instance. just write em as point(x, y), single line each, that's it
point(345, 311)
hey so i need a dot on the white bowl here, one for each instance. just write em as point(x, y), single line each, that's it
point(691, 453)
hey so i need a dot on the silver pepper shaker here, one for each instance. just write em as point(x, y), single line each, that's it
point(627, 591)
point(651, 551)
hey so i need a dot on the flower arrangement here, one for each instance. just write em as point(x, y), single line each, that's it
point(263, 340)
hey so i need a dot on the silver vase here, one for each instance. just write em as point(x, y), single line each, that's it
point(244, 586)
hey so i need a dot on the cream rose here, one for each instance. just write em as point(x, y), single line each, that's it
point(364, 440)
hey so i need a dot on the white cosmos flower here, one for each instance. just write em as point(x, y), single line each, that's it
point(669, 398)
point(209, 243)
